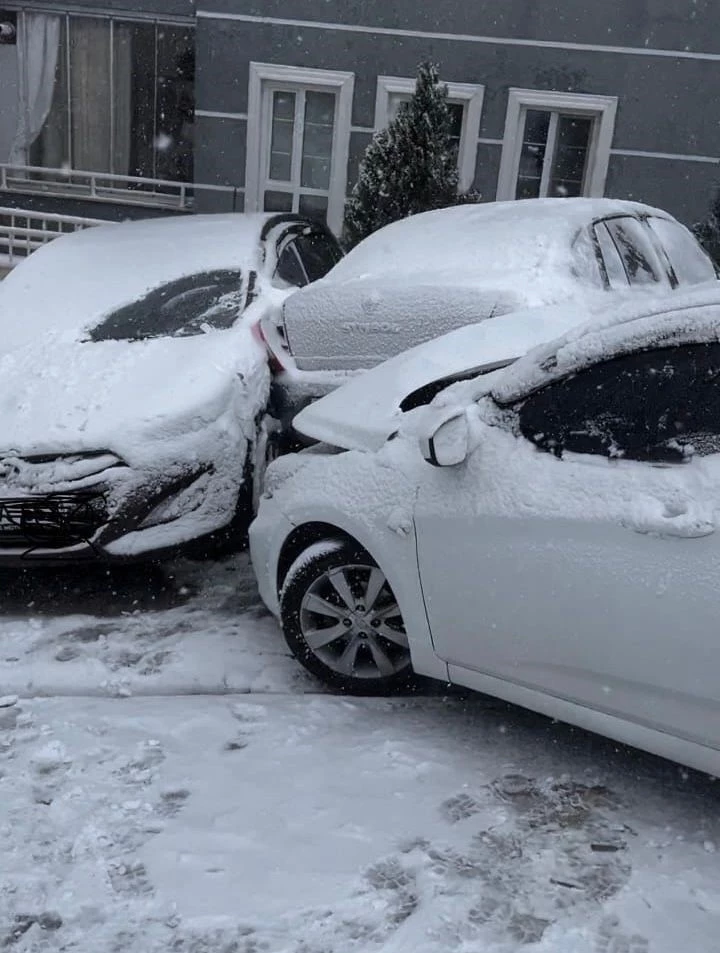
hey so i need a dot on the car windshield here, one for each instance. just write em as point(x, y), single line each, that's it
point(194, 304)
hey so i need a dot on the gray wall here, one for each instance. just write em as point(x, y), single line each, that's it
point(663, 100)
point(8, 99)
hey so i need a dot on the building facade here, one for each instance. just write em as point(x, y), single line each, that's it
point(145, 107)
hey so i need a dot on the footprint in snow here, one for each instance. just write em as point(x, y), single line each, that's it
point(171, 802)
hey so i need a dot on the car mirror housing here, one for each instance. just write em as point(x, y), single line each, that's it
point(444, 437)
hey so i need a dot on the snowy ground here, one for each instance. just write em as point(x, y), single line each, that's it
point(171, 781)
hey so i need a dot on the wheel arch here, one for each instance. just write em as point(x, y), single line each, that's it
point(303, 536)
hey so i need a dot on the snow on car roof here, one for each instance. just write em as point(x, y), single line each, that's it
point(72, 281)
point(487, 239)
point(643, 323)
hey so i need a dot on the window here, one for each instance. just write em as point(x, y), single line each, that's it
point(465, 101)
point(305, 258)
point(298, 139)
point(634, 246)
point(661, 406)
point(122, 102)
point(687, 258)
point(555, 144)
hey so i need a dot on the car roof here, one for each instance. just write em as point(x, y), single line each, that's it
point(76, 279)
point(646, 323)
point(539, 250)
point(482, 237)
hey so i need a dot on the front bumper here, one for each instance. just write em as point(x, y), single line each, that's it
point(268, 532)
point(117, 515)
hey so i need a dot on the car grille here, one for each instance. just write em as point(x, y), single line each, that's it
point(55, 520)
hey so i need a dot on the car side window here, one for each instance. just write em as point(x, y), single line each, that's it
point(689, 262)
point(634, 245)
point(289, 271)
point(614, 268)
point(319, 253)
point(660, 405)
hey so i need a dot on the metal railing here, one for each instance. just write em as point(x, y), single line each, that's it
point(22, 231)
point(123, 189)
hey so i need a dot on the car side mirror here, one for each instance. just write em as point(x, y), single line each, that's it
point(444, 437)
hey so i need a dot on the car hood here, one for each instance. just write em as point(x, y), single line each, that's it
point(65, 397)
point(363, 413)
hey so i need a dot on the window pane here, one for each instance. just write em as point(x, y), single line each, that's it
point(283, 126)
point(571, 154)
point(318, 253)
point(532, 154)
point(90, 98)
point(661, 405)
point(690, 264)
point(317, 140)
point(394, 100)
point(52, 147)
point(175, 104)
point(289, 271)
point(278, 202)
point(314, 206)
point(633, 244)
point(614, 267)
point(135, 124)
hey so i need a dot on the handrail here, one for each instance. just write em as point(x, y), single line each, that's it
point(22, 231)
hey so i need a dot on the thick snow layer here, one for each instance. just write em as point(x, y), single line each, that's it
point(118, 395)
point(298, 823)
point(498, 239)
point(74, 280)
point(357, 324)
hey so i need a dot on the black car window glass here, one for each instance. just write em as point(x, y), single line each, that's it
point(660, 405)
point(319, 252)
point(634, 246)
point(180, 308)
point(614, 268)
point(689, 262)
point(289, 272)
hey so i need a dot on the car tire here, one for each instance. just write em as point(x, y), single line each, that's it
point(342, 622)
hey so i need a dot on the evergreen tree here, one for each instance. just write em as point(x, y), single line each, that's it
point(707, 232)
point(409, 167)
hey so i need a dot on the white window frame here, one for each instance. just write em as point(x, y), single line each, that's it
point(469, 95)
point(263, 76)
point(600, 108)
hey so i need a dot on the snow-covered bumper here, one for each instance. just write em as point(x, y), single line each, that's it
point(268, 533)
point(93, 507)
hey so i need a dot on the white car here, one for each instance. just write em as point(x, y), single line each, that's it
point(131, 385)
point(420, 277)
point(546, 532)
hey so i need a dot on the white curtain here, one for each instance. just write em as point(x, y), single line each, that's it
point(122, 97)
point(90, 94)
point(37, 51)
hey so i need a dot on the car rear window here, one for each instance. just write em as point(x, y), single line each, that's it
point(689, 262)
point(186, 306)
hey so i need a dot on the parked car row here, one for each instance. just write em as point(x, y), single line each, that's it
point(510, 428)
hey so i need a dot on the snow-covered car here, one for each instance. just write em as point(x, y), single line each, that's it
point(131, 386)
point(561, 552)
point(421, 277)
